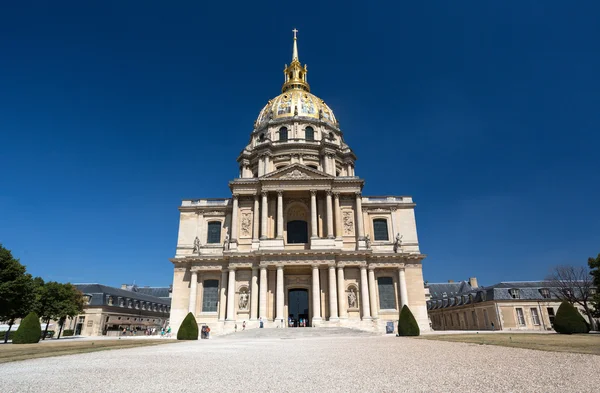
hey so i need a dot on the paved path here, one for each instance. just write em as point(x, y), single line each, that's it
point(286, 360)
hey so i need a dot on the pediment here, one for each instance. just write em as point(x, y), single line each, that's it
point(296, 172)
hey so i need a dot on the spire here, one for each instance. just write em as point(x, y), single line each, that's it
point(295, 52)
point(295, 74)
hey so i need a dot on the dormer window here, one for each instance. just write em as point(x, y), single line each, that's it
point(545, 292)
point(514, 293)
point(283, 134)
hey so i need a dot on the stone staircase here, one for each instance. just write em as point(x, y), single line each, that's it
point(293, 333)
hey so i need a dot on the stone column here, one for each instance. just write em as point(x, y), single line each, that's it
point(348, 169)
point(343, 304)
point(256, 229)
point(402, 284)
point(394, 226)
point(332, 168)
point(279, 214)
point(313, 215)
point(372, 293)
point(193, 292)
point(360, 225)
point(316, 294)
point(234, 219)
point(364, 294)
point(326, 163)
point(222, 296)
point(263, 294)
point(280, 294)
point(266, 170)
point(261, 166)
point(338, 215)
point(333, 300)
point(231, 295)
point(254, 295)
point(329, 216)
point(264, 231)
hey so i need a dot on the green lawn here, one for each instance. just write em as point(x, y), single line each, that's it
point(576, 343)
point(14, 352)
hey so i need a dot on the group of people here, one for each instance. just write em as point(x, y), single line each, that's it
point(150, 331)
point(243, 326)
point(205, 332)
point(302, 322)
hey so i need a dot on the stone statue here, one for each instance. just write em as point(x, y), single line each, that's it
point(196, 245)
point(352, 299)
point(368, 242)
point(398, 244)
point(243, 303)
point(226, 242)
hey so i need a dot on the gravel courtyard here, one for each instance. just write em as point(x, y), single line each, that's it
point(310, 361)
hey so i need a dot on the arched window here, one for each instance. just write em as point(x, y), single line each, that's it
point(309, 134)
point(387, 296)
point(283, 134)
point(261, 137)
point(210, 295)
point(380, 229)
point(214, 232)
point(331, 136)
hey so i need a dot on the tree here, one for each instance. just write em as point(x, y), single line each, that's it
point(574, 285)
point(188, 329)
point(594, 264)
point(407, 324)
point(29, 330)
point(48, 303)
point(568, 320)
point(70, 304)
point(17, 290)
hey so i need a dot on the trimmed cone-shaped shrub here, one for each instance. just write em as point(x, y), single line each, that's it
point(188, 329)
point(569, 321)
point(29, 331)
point(407, 324)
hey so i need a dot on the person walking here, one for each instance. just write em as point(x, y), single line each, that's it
point(235, 327)
point(244, 326)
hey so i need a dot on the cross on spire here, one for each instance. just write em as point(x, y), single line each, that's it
point(295, 31)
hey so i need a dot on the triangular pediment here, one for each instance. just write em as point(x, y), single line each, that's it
point(296, 172)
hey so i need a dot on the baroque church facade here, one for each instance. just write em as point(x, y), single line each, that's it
point(297, 244)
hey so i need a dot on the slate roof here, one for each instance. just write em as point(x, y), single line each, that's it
point(162, 292)
point(461, 293)
point(101, 292)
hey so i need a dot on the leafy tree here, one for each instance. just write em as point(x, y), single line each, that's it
point(188, 329)
point(574, 285)
point(594, 264)
point(29, 330)
point(407, 324)
point(48, 303)
point(70, 304)
point(568, 320)
point(17, 290)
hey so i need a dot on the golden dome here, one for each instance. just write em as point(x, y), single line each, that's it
point(296, 102)
point(296, 99)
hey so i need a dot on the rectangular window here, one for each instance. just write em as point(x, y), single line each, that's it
point(387, 296)
point(210, 295)
point(551, 315)
point(214, 232)
point(380, 229)
point(535, 316)
point(520, 317)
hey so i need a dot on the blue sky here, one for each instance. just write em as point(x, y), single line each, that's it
point(485, 112)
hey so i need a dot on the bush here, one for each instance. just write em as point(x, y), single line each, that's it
point(407, 324)
point(29, 331)
point(68, 332)
point(569, 321)
point(188, 329)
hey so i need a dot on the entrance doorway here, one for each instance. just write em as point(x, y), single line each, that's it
point(298, 308)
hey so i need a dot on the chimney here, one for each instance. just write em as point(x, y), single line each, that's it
point(450, 281)
point(473, 282)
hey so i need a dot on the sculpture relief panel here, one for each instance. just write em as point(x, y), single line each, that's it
point(348, 222)
point(246, 224)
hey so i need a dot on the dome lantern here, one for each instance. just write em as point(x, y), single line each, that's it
point(295, 75)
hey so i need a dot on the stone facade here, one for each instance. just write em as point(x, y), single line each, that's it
point(523, 305)
point(297, 240)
